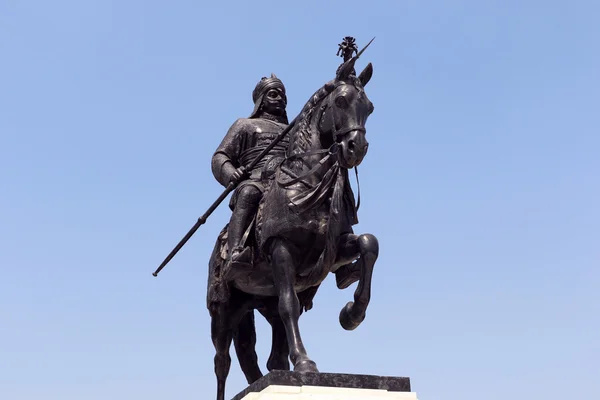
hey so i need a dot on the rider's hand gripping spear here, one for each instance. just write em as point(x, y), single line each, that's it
point(233, 184)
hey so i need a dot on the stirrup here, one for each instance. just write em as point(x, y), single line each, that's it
point(239, 263)
point(241, 255)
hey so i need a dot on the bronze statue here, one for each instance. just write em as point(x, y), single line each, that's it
point(293, 213)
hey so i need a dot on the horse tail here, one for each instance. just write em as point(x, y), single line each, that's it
point(218, 289)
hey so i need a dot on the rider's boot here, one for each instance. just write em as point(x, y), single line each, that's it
point(238, 264)
point(240, 256)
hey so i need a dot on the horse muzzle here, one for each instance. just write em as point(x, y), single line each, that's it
point(353, 148)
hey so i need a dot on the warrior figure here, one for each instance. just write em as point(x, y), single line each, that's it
point(246, 138)
point(347, 48)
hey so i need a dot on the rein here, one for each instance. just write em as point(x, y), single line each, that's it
point(330, 151)
point(336, 134)
point(357, 188)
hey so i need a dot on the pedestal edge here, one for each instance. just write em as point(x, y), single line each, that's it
point(351, 381)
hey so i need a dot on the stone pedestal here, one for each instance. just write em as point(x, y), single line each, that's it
point(286, 385)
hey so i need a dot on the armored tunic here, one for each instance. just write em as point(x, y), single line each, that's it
point(244, 141)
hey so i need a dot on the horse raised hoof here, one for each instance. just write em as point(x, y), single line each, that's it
point(348, 320)
point(306, 365)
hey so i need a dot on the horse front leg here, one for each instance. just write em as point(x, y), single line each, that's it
point(284, 274)
point(279, 359)
point(366, 247)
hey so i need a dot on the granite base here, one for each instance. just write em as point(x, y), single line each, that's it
point(326, 386)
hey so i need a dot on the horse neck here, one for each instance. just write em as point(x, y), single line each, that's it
point(306, 138)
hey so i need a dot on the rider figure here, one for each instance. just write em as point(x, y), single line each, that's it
point(347, 48)
point(246, 138)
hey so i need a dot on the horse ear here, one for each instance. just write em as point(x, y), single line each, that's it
point(366, 74)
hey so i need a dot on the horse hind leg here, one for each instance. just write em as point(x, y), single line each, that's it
point(221, 333)
point(244, 340)
point(367, 247)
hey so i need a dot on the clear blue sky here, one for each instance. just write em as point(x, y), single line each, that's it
point(482, 183)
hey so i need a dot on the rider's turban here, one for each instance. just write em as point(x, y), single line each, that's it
point(261, 90)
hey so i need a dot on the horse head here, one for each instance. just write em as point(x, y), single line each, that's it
point(345, 112)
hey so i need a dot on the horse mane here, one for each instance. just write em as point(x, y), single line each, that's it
point(301, 133)
point(300, 138)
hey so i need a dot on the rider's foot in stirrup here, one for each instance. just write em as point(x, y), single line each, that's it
point(241, 255)
point(239, 260)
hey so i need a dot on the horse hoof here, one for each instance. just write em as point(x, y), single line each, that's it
point(306, 366)
point(348, 320)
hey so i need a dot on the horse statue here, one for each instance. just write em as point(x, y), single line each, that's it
point(302, 232)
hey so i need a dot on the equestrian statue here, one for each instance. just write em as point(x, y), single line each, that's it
point(293, 210)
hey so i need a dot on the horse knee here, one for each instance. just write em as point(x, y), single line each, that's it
point(368, 245)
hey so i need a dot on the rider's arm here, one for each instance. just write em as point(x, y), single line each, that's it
point(225, 159)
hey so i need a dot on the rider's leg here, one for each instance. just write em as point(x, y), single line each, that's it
point(245, 209)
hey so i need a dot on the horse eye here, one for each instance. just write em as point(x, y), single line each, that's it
point(341, 102)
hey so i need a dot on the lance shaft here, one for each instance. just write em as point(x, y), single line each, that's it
point(230, 187)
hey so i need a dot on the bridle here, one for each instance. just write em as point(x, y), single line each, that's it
point(337, 133)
